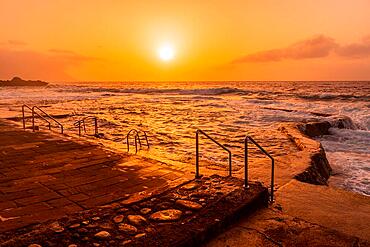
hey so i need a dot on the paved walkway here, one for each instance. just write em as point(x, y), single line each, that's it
point(45, 175)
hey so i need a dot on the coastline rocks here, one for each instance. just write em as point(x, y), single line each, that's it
point(126, 228)
point(166, 215)
point(145, 210)
point(318, 170)
point(102, 235)
point(189, 204)
point(118, 218)
point(17, 82)
point(137, 220)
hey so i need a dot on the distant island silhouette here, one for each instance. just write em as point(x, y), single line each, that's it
point(18, 82)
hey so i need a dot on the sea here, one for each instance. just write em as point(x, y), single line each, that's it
point(171, 112)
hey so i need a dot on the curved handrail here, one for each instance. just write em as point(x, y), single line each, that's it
point(246, 185)
point(50, 117)
point(23, 116)
point(128, 142)
point(82, 121)
point(197, 151)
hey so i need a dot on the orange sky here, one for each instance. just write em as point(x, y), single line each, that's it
point(117, 40)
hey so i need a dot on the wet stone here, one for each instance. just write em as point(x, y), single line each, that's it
point(126, 228)
point(56, 227)
point(122, 210)
point(190, 186)
point(188, 212)
point(118, 218)
point(34, 245)
point(72, 245)
point(145, 210)
point(140, 235)
point(126, 242)
point(105, 226)
point(96, 244)
point(102, 235)
point(137, 220)
point(74, 226)
point(166, 215)
point(189, 204)
point(96, 218)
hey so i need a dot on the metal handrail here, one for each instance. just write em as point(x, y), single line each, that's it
point(50, 117)
point(78, 123)
point(137, 138)
point(246, 185)
point(128, 141)
point(23, 116)
point(197, 151)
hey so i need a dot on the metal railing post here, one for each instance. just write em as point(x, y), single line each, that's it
point(33, 120)
point(272, 179)
point(246, 182)
point(246, 165)
point(24, 122)
point(196, 154)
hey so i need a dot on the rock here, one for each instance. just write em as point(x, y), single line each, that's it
point(122, 210)
point(126, 242)
point(105, 226)
point(118, 218)
point(166, 215)
point(145, 210)
point(137, 220)
point(96, 244)
point(34, 245)
point(86, 222)
point(126, 228)
point(202, 200)
point(102, 235)
point(189, 204)
point(74, 226)
point(56, 227)
point(188, 212)
point(190, 186)
point(72, 245)
point(140, 235)
point(96, 218)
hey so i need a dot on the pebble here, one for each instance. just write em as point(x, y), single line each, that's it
point(189, 204)
point(137, 220)
point(129, 229)
point(118, 218)
point(166, 215)
point(34, 245)
point(126, 242)
point(96, 244)
point(74, 226)
point(96, 218)
point(190, 186)
point(188, 212)
point(102, 235)
point(145, 210)
point(122, 210)
point(140, 235)
point(202, 200)
point(56, 227)
point(86, 222)
point(72, 245)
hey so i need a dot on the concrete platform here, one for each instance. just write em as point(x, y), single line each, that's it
point(45, 176)
point(187, 215)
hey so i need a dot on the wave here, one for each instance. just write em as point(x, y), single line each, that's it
point(198, 91)
point(328, 96)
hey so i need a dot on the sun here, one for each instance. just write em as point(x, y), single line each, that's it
point(166, 52)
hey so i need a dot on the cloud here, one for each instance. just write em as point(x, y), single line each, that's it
point(13, 43)
point(316, 47)
point(355, 50)
point(71, 55)
point(30, 64)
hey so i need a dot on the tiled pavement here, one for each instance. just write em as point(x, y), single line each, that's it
point(45, 175)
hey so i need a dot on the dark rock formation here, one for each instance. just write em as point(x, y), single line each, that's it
point(18, 82)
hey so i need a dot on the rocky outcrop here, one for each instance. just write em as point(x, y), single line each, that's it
point(18, 82)
point(318, 169)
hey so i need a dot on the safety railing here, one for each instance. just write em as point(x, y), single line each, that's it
point(44, 118)
point(23, 115)
point(137, 139)
point(197, 151)
point(246, 182)
point(82, 125)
